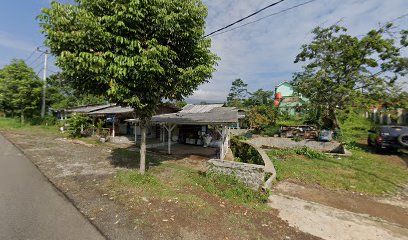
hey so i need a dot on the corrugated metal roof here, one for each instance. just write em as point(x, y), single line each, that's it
point(87, 109)
point(190, 108)
point(216, 115)
point(112, 110)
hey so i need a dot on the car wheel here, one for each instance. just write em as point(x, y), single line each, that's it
point(378, 148)
point(403, 139)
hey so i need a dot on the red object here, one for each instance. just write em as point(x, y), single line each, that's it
point(278, 95)
point(276, 102)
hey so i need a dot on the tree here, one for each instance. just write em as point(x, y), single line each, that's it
point(180, 104)
point(340, 69)
point(261, 116)
point(135, 52)
point(60, 94)
point(259, 97)
point(20, 89)
point(238, 93)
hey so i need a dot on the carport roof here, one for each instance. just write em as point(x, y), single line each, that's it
point(213, 114)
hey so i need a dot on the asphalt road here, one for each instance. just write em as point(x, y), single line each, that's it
point(30, 207)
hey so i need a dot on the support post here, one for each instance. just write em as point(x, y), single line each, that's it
point(135, 130)
point(93, 126)
point(113, 126)
point(169, 129)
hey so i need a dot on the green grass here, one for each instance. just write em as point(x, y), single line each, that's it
point(363, 172)
point(230, 188)
point(15, 125)
point(166, 181)
point(355, 128)
point(154, 186)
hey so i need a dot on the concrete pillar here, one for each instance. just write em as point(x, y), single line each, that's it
point(169, 129)
point(135, 130)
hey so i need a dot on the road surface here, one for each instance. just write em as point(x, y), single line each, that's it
point(30, 207)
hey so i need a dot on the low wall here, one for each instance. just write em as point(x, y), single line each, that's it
point(251, 174)
point(272, 142)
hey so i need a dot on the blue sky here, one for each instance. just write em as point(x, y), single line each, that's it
point(261, 54)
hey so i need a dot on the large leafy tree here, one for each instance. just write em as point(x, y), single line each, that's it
point(341, 70)
point(237, 94)
point(60, 94)
point(259, 97)
point(136, 52)
point(20, 89)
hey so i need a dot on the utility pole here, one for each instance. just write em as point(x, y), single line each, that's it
point(44, 84)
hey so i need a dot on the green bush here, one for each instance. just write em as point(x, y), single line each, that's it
point(355, 128)
point(309, 153)
point(271, 130)
point(231, 188)
point(243, 152)
point(47, 120)
point(76, 123)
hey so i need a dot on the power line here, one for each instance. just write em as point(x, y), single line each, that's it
point(39, 64)
point(242, 19)
point(398, 18)
point(35, 60)
point(35, 50)
point(39, 71)
point(53, 71)
point(262, 18)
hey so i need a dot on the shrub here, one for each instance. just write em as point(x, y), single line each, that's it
point(231, 188)
point(243, 152)
point(76, 124)
point(271, 130)
point(309, 153)
point(46, 120)
point(262, 116)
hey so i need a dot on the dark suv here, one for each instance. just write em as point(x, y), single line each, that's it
point(388, 137)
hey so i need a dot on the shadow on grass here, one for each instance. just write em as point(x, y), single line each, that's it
point(130, 158)
point(403, 154)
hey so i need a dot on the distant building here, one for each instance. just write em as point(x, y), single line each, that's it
point(288, 99)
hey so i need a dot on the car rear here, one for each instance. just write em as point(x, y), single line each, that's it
point(389, 136)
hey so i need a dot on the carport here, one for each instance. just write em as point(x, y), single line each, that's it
point(214, 115)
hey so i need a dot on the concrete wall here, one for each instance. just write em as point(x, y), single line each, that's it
point(251, 174)
point(285, 89)
point(383, 118)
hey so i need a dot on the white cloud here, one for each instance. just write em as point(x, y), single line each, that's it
point(262, 54)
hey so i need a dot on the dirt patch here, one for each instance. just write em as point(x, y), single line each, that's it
point(332, 223)
point(353, 202)
point(85, 174)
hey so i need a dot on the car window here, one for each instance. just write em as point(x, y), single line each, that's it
point(398, 130)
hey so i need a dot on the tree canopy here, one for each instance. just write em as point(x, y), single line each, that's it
point(340, 70)
point(20, 89)
point(135, 52)
point(260, 96)
point(237, 94)
point(60, 94)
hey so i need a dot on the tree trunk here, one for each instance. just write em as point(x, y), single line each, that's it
point(22, 117)
point(334, 120)
point(143, 148)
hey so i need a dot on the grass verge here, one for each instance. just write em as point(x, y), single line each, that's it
point(363, 172)
point(15, 125)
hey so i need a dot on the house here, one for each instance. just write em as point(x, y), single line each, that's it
point(113, 117)
point(288, 99)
